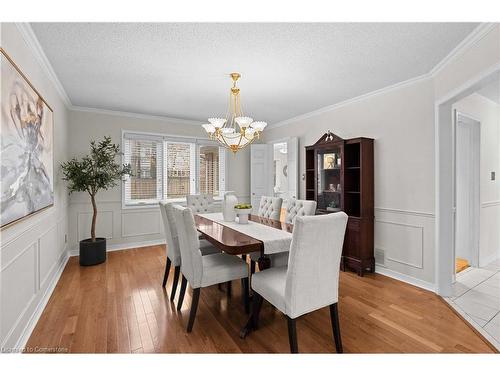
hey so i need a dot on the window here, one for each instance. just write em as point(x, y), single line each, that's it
point(167, 168)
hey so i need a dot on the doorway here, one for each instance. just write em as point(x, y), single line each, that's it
point(467, 179)
point(274, 170)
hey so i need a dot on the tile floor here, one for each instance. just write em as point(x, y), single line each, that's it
point(477, 293)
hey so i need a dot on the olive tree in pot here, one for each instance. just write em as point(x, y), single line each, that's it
point(92, 173)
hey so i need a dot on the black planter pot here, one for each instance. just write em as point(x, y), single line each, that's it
point(92, 252)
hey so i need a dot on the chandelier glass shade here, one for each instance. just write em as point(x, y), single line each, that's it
point(236, 130)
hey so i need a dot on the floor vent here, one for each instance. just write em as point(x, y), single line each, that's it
point(380, 256)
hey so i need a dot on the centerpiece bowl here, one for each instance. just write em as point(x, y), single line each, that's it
point(243, 210)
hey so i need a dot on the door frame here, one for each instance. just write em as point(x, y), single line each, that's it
point(285, 140)
point(477, 211)
point(444, 178)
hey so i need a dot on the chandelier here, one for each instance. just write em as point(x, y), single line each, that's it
point(236, 130)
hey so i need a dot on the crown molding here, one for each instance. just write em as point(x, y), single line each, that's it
point(344, 103)
point(133, 115)
point(37, 50)
point(476, 35)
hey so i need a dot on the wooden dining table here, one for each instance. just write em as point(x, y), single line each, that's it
point(233, 242)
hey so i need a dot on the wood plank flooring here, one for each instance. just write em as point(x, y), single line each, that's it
point(120, 306)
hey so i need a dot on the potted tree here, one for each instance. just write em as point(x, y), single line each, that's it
point(92, 173)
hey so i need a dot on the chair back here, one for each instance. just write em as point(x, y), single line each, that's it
point(192, 262)
point(297, 207)
point(173, 251)
point(270, 207)
point(312, 279)
point(200, 203)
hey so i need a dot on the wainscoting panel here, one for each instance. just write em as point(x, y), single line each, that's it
point(33, 256)
point(48, 254)
point(394, 236)
point(489, 234)
point(141, 223)
point(19, 286)
point(404, 243)
point(104, 227)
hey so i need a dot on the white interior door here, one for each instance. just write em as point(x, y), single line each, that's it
point(259, 173)
point(293, 167)
point(467, 182)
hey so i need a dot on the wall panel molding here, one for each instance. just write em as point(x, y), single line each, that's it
point(405, 212)
point(108, 232)
point(141, 223)
point(420, 228)
point(490, 204)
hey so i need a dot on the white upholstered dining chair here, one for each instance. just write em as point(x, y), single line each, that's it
point(298, 207)
point(200, 203)
point(270, 207)
point(173, 250)
point(311, 280)
point(202, 271)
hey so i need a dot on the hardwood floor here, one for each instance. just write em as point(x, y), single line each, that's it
point(120, 306)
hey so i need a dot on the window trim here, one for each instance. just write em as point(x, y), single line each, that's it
point(198, 141)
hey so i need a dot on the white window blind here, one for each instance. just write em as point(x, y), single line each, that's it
point(167, 168)
point(146, 160)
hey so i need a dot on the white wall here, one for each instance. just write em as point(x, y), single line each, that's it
point(488, 113)
point(402, 123)
point(132, 226)
point(32, 252)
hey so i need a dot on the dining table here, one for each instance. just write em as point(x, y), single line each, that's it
point(259, 235)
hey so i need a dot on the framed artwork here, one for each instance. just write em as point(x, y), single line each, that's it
point(328, 161)
point(27, 146)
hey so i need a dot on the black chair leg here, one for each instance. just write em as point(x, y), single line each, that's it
point(292, 335)
point(246, 297)
point(177, 270)
point(334, 316)
point(194, 307)
point(167, 271)
point(252, 267)
point(244, 258)
point(256, 306)
point(228, 289)
point(182, 292)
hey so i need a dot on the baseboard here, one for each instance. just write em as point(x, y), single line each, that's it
point(405, 278)
point(125, 246)
point(33, 320)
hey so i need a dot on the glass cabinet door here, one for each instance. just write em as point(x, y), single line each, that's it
point(329, 182)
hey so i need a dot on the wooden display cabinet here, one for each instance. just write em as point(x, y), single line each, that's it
point(339, 177)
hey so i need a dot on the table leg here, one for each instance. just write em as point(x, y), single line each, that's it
point(264, 263)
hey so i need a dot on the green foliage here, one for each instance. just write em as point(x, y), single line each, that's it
point(96, 171)
point(243, 206)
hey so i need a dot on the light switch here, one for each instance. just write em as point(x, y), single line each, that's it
point(492, 176)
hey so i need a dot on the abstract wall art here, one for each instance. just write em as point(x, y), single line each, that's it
point(27, 147)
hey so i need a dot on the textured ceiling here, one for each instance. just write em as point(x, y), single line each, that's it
point(180, 70)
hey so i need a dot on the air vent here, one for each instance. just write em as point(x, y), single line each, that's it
point(380, 256)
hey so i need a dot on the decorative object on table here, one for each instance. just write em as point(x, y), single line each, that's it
point(332, 187)
point(329, 161)
point(228, 211)
point(243, 210)
point(235, 131)
point(354, 193)
point(27, 147)
point(92, 173)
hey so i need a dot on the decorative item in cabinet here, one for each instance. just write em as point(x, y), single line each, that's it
point(339, 176)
